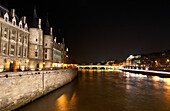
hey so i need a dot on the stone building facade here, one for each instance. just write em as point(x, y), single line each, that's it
point(13, 41)
point(23, 48)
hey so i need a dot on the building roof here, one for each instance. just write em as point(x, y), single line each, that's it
point(4, 10)
point(34, 23)
point(47, 27)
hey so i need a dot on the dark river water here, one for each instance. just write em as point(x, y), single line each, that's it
point(107, 91)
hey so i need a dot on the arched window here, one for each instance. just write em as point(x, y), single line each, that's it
point(14, 21)
point(20, 24)
point(6, 17)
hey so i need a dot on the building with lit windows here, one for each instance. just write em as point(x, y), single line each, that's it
point(13, 41)
point(158, 60)
point(23, 48)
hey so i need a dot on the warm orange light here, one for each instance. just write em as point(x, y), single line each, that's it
point(167, 60)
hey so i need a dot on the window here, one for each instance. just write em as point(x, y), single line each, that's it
point(6, 19)
point(13, 32)
point(4, 60)
point(5, 35)
point(4, 51)
point(19, 50)
point(6, 29)
point(12, 52)
point(46, 44)
point(4, 48)
point(45, 50)
point(36, 53)
point(4, 67)
point(14, 23)
point(36, 40)
point(19, 39)
point(20, 26)
point(37, 65)
point(12, 47)
point(24, 52)
point(45, 55)
point(13, 37)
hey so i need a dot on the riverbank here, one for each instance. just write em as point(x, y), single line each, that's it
point(148, 72)
point(19, 88)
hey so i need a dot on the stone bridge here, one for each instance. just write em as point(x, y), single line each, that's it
point(97, 67)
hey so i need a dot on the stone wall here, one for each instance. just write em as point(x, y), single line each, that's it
point(19, 88)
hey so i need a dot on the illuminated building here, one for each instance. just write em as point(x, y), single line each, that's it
point(13, 41)
point(156, 60)
point(23, 48)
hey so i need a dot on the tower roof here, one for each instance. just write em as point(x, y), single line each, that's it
point(47, 27)
point(33, 23)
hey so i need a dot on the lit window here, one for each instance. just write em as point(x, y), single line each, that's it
point(19, 39)
point(4, 48)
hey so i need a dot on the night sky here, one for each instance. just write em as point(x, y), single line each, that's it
point(102, 30)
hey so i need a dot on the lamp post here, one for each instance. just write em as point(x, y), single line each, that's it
point(19, 65)
point(43, 65)
point(27, 64)
point(167, 62)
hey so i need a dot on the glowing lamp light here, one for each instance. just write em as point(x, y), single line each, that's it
point(12, 62)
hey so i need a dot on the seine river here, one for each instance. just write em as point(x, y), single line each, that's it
point(107, 91)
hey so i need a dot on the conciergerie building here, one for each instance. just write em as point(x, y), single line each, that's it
point(28, 48)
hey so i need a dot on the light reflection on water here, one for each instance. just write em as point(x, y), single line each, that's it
point(99, 91)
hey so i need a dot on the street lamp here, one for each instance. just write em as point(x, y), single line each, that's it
point(43, 65)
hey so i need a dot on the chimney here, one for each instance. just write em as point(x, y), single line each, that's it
point(39, 23)
point(24, 19)
point(51, 31)
point(13, 12)
point(55, 39)
point(63, 40)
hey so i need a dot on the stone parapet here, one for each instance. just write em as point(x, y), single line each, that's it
point(19, 88)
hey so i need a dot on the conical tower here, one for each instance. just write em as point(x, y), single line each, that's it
point(35, 43)
point(48, 45)
point(34, 23)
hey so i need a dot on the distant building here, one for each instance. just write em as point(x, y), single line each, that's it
point(151, 60)
point(23, 48)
